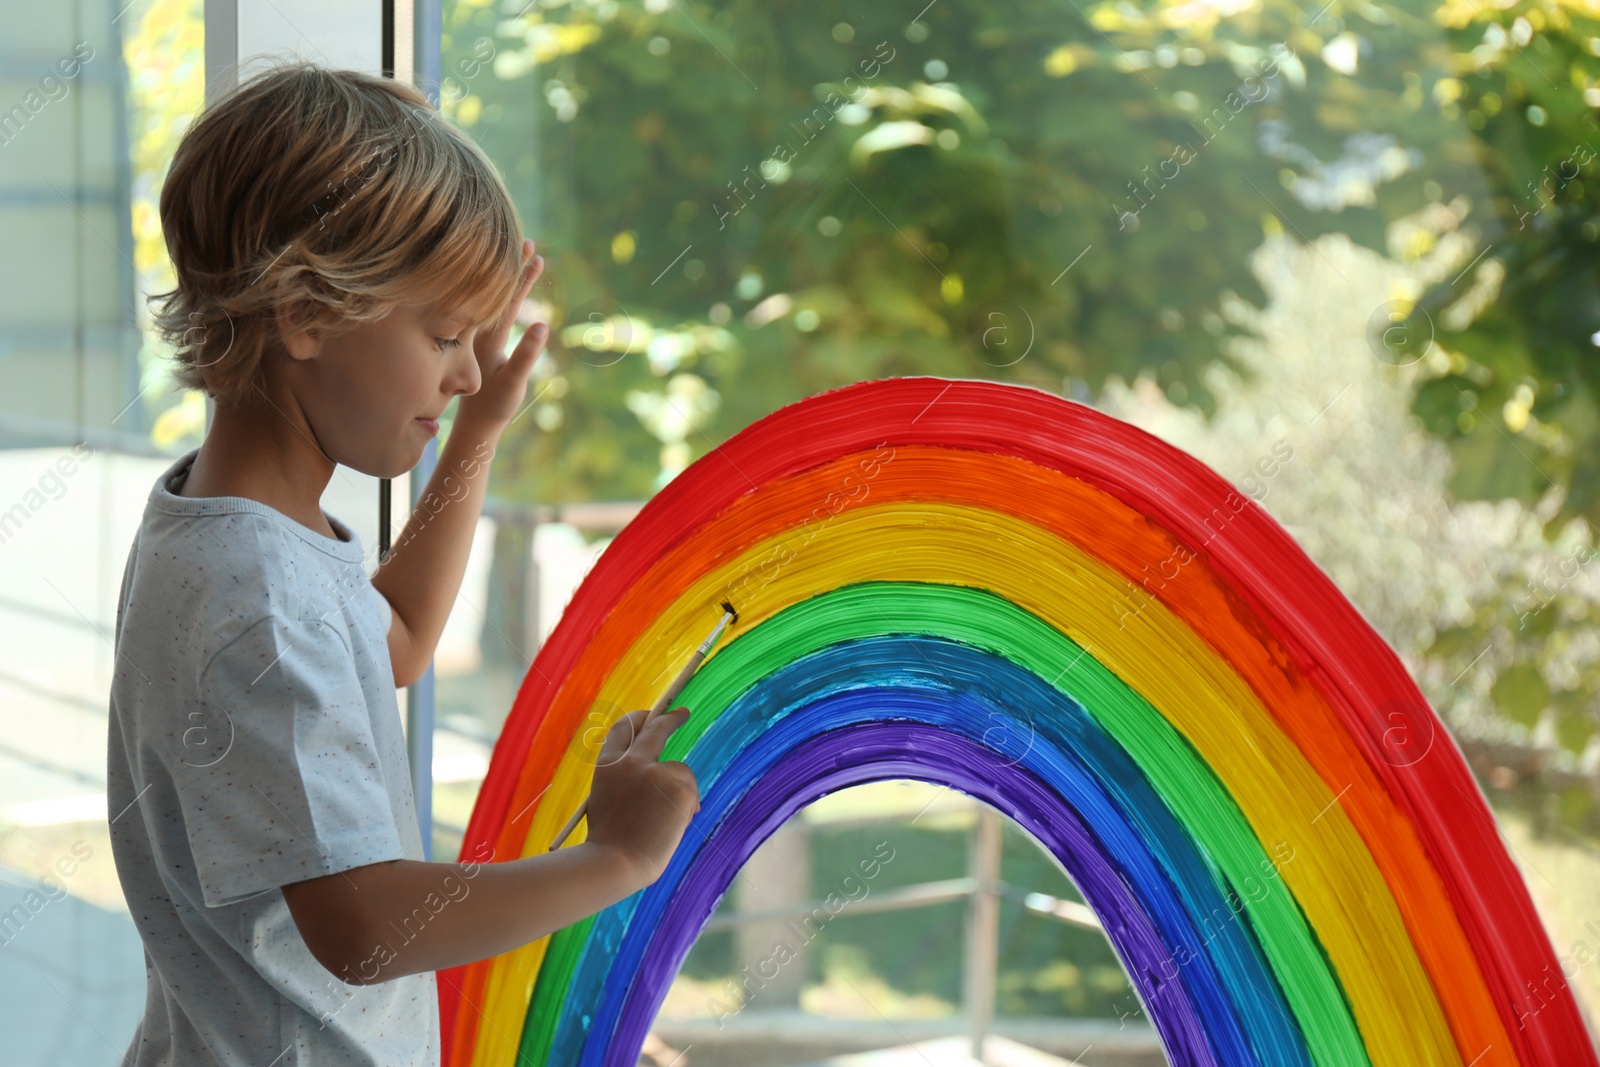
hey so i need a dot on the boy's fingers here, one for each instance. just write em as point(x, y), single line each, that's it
point(619, 738)
point(615, 725)
point(532, 266)
point(534, 337)
point(530, 274)
point(533, 340)
point(653, 737)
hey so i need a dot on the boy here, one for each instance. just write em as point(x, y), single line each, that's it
point(347, 264)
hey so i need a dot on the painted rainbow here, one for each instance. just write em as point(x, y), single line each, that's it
point(991, 588)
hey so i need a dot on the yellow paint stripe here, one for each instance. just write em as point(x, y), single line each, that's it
point(1334, 877)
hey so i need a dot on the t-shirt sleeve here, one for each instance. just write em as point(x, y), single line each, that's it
point(289, 785)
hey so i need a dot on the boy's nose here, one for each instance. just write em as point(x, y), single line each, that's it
point(467, 376)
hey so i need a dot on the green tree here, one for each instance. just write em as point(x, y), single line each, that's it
point(1082, 183)
point(745, 203)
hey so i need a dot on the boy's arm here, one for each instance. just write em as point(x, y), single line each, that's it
point(383, 920)
point(421, 575)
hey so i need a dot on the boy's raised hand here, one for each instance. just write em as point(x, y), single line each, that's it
point(640, 804)
point(505, 378)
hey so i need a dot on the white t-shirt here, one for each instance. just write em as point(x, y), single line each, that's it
point(254, 741)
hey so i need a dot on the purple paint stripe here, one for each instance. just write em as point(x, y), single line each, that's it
point(837, 759)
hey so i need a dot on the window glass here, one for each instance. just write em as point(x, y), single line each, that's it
point(93, 100)
point(1344, 254)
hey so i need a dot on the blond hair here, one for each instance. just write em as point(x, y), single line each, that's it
point(330, 196)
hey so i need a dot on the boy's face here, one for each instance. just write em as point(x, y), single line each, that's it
point(368, 392)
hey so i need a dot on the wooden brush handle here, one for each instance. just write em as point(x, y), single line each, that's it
point(660, 706)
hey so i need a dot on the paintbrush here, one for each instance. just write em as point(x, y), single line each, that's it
point(729, 615)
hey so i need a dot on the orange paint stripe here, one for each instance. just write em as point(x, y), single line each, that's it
point(1125, 541)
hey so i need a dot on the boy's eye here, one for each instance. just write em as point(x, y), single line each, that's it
point(447, 342)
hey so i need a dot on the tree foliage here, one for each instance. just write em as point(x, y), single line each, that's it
point(777, 198)
point(744, 203)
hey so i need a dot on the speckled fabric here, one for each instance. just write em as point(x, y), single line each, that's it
point(254, 741)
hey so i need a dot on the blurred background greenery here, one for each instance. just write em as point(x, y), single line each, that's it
point(747, 203)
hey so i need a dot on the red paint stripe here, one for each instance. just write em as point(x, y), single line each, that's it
point(1293, 600)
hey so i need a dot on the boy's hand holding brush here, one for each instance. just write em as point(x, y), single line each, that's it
point(640, 805)
point(638, 811)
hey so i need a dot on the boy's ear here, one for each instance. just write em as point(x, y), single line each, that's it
point(299, 340)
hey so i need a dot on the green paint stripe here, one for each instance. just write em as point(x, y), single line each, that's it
point(1176, 772)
